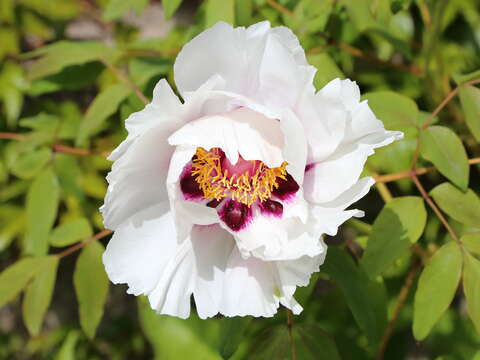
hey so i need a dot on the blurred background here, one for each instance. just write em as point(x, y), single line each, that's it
point(71, 71)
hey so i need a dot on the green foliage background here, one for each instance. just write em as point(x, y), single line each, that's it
point(396, 285)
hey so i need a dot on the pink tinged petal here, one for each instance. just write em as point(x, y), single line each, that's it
point(235, 215)
point(144, 254)
point(212, 246)
point(271, 207)
point(241, 131)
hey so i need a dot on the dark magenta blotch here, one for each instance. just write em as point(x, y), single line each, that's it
point(286, 188)
point(235, 215)
point(189, 186)
point(271, 207)
point(213, 203)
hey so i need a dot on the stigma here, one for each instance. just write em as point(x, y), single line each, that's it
point(246, 181)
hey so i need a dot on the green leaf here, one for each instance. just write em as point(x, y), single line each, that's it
point(91, 287)
point(142, 69)
point(397, 227)
point(105, 104)
point(463, 207)
point(472, 242)
point(220, 10)
point(396, 111)
point(471, 287)
point(170, 6)
point(470, 99)
point(39, 294)
point(310, 342)
point(442, 147)
point(436, 288)
point(12, 86)
point(463, 78)
point(354, 285)
point(42, 203)
point(14, 278)
point(66, 53)
point(174, 338)
point(67, 350)
point(31, 163)
point(327, 69)
point(231, 334)
point(117, 8)
point(70, 232)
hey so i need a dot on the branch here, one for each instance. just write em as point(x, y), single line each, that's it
point(409, 173)
point(447, 99)
point(84, 243)
point(402, 296)
point(280, 8)
point(126, 80)
point(290, 334)
point(11, 136)
point(435, 209)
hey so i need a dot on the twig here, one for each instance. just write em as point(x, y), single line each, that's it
point(84, 243)
point(402, 296)
point(11, 136)
point(126, 80)
point(435, 209)
point(408, 173)
point(290, 334)
point(280, 7)
point(447, 99)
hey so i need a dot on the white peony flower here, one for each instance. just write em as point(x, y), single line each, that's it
point(226, 195)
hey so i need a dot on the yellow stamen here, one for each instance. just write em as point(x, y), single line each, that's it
point(216, 183)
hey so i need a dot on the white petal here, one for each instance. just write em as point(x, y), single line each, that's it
point(345, 91)
point(249, 288)
point(212, 247)
point(164, 107)
point(328, 179)
point(327, 220)
point(271, 238)
point(218, 50)
point(324, 122)
point(137, 179)
point(140, 249)
point(242, 131)
point(293, 273)
point(355, 193)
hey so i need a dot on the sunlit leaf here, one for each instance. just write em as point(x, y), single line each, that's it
point(445, 150)
point(470, 98)
point(42, 204)
point(31, 163)
point(472, 242)
point(70, 232)
point(328, 70)
point(397, 227)
point(463, 207)
point(471, 287)
point(67, 350)
point(91, 287)
point(170, 6)
point(436, 288)
point(39, 294)
point(220, 10)
point(117, 8)
point(396, 111)
point(14, 278)
point(105, 104)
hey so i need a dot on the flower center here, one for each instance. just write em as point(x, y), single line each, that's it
point(246, 181)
